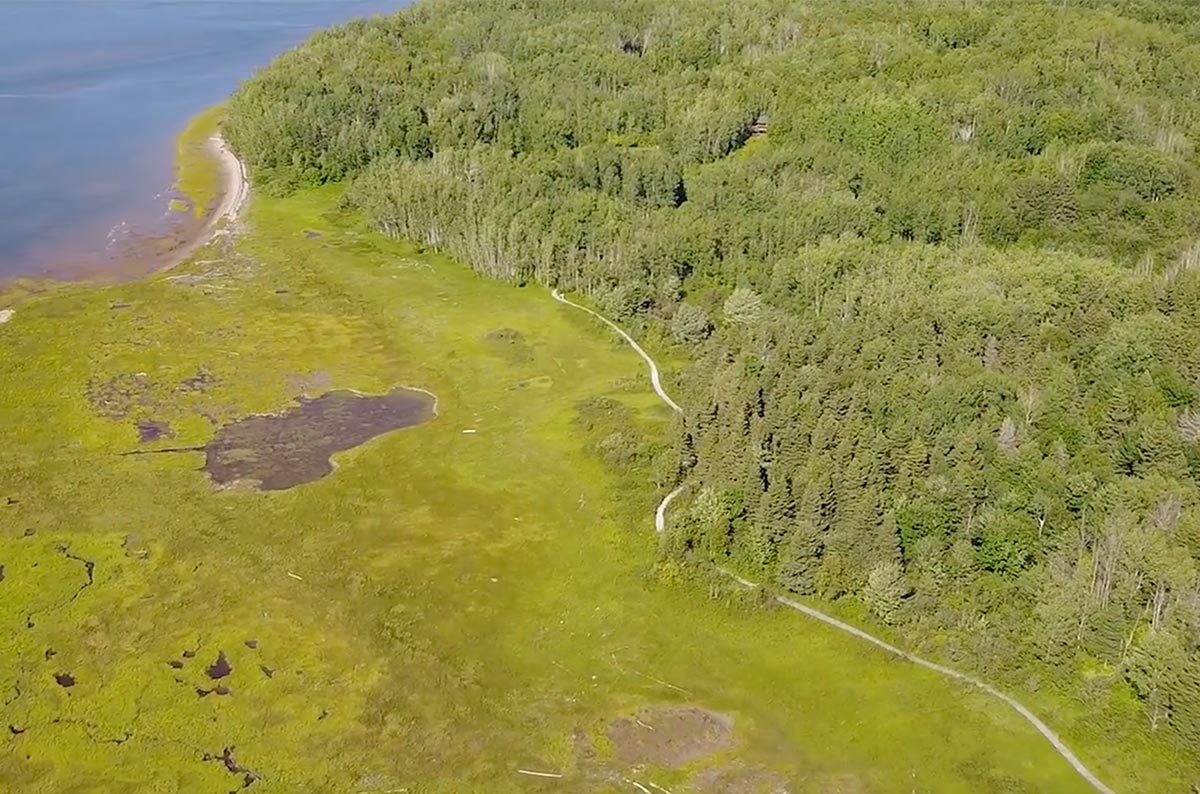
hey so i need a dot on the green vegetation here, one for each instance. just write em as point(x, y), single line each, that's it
point(444, 609)
point(195, 177)
point(930, 267)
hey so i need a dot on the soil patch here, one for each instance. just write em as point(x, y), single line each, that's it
point(202, 381)
point(119, 396)
point(133, 546)
point(670, 736)
point(232, 766)
point(281, 451)
point(739, 780)
point(510, 344)
point(150, 430)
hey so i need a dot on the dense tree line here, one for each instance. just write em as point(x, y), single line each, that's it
point(934, 265)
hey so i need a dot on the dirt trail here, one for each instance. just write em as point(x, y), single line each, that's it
point(655, 380)
point(660, 525)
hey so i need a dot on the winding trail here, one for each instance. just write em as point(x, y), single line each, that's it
point(654, 376)
point(660, 521)
point(660, 514)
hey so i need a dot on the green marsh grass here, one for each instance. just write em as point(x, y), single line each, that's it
point(442, 610)
point(195, 176)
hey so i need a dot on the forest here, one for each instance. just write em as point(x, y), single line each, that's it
point(933, 270)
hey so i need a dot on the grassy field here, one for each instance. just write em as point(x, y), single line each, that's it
point(447, 607)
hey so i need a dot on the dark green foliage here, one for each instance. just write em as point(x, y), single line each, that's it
point(1146, 172)
point(934, 266)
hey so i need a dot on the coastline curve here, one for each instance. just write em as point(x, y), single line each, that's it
point(235, 193)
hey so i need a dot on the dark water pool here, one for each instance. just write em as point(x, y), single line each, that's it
point(281, 451)
point(92, 95)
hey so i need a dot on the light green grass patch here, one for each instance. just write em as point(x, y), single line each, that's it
point(195, 175)
point(443, 610)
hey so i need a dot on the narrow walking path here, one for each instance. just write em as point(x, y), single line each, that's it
point(660, 520)
point(660, 515)
point(654, 376)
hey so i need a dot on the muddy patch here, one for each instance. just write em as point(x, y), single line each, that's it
point(201, 382)
point(310, 383)
point(150, 430)
point(119, 396)
point(133, 546)
point(670, 736)
point(510, 344)
point(136, 396)
point(739, 780)
point(89, 568)
point(233, 767)
point(281, 451)
point(540, 383)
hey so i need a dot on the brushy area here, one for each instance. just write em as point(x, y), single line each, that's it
point(442, 610)
point(933, 267)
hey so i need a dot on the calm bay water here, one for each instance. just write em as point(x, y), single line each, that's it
point(92, 95)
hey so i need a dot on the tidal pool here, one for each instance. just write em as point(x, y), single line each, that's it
point(281, 451)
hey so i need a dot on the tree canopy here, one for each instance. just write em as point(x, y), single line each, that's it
point(934, 267)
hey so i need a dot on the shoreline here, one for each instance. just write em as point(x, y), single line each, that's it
point(233, 193)
point(180, 234)
point(208, 181)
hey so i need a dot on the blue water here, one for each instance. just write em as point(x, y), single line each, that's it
point(92, 95)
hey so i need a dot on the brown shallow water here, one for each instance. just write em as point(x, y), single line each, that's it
point(280, 451)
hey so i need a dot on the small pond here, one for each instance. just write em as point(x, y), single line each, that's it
point(280, 451)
